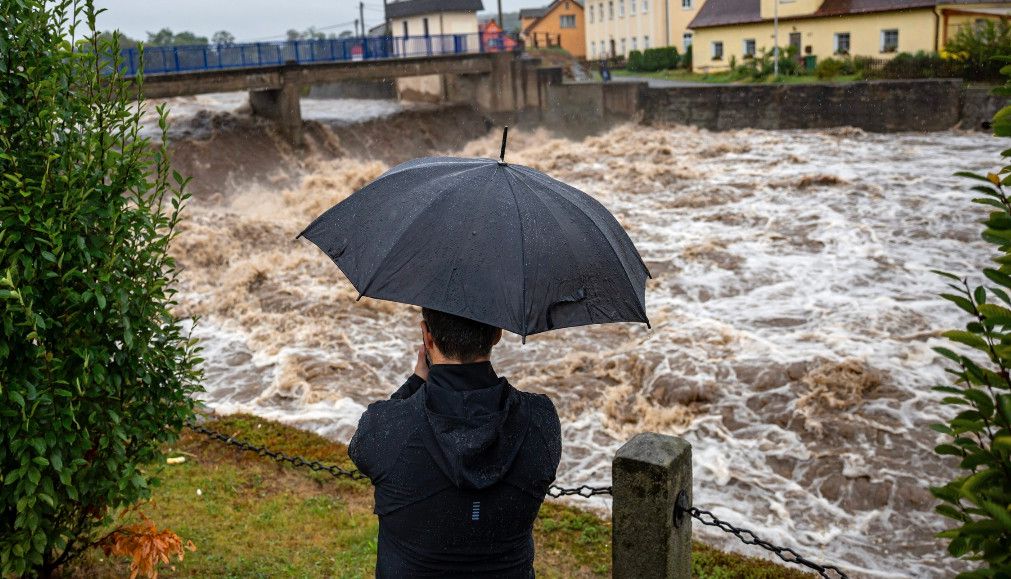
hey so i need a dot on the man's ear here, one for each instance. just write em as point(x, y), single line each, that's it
point(426, 336)
point(498, 336)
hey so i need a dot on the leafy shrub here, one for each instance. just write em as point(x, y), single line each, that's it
point(686, 60)
point(95, 372)
point(920, 65)
point(829, 68)
point(635, 61)
point(663, 58)
point(980, 434)
point(977, 48)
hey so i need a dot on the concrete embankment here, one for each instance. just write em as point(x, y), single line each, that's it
point(878, 106)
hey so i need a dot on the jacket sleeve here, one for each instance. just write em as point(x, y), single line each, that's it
point(361, 449)
point(409, 388)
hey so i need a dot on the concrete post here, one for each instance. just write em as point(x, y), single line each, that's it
point(649, 539)
point(281, 105)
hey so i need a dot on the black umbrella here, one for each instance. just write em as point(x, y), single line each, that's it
point(486, 240)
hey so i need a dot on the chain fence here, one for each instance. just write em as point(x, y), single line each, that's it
point(747, 537)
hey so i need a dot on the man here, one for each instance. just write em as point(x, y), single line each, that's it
point(460, 460)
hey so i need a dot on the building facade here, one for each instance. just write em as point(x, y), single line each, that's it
point(426, 26)
point(561, 24)
point(732, 31)
point(616, 27)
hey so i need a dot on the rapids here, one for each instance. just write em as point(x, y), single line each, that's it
point(792, 307)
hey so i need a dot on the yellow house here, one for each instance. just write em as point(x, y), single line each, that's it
point(560, 24)
point(617, 27)
point(735, 30)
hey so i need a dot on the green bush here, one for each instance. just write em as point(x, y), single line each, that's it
point(920, 65)
point(635, 61)
point(979, 435)
point(686, 60)
point(95, 372)
point(829, 68)
point(977, 49)
point(663, 58)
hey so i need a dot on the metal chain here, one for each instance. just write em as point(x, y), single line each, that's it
point(555, 491)
point(584, 491)
point(749, 538)
point(333, 469)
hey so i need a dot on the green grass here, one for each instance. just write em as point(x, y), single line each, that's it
point(255, 518)
point(728, 77)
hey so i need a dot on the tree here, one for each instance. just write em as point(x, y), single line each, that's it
point(979, 435)
point(124, 40)
point(979, 48)
point(223, 37)
point(165, 37)
point(96, 374)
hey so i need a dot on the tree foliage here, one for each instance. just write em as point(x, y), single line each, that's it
point(979, 47)
point(979, 435)
point(95, 371)
point(165, 37)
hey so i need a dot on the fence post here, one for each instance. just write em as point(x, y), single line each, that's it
point(650, 538)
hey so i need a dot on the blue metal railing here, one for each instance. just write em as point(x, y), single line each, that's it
point(206, 57)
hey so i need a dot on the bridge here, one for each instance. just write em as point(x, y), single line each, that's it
point(475, 68)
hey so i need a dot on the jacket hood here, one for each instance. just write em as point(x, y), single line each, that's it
point(478, 423)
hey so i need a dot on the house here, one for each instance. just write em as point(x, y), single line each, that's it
point(562, 24)
point(431, 27)
point(616, 27)
point(735, 30)
point(494, 39)
point(426, 26)
point(528, 15)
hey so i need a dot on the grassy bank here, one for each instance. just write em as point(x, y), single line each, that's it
point(250, 517)
point(729, 77)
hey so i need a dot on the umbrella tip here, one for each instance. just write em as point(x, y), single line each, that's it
point(505, 136)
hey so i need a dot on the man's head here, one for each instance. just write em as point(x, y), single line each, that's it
point(452, 339)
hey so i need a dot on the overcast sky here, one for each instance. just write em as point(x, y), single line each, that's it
point(250, 19)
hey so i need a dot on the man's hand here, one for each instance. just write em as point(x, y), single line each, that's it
point(421, 366)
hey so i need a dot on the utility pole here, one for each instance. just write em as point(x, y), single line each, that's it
point(500, 23)
point(775, 39)
point(361, 15)
point(356, 27)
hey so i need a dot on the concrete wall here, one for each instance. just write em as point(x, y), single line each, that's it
point(879, 106)
point(355, 89)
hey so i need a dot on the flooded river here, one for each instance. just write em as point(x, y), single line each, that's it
point(792, 306)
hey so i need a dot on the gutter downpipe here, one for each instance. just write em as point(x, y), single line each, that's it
point(775, 39)
point(666, 19)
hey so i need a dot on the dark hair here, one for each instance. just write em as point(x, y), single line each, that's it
point(459, 338)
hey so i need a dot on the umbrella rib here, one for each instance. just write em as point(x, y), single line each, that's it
point(642, 307)
point(379, 267)
point(523, 257)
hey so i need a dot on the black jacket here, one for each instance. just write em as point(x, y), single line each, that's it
point(460, 466)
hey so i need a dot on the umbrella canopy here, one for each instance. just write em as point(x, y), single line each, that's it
point(490, 241)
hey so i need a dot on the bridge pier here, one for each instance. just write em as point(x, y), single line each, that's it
point(282, 106)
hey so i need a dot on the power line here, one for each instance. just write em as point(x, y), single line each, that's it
point(318, 29)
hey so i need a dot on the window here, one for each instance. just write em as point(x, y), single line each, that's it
point(621, 8)
point(749, 48)
point(593, 50)
point(717, 50)
point(686, 40)
point(567, 21)
point(890, 40)
point(631, 7)
point(645, 41)
point(623, 47)
point(591, 13)
point(980, 24)
point(686, 4)
point(603, 48)
point(635, 44)
point(405, 29)
point(610, 9)
point(645, 6)
point(841, 44)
